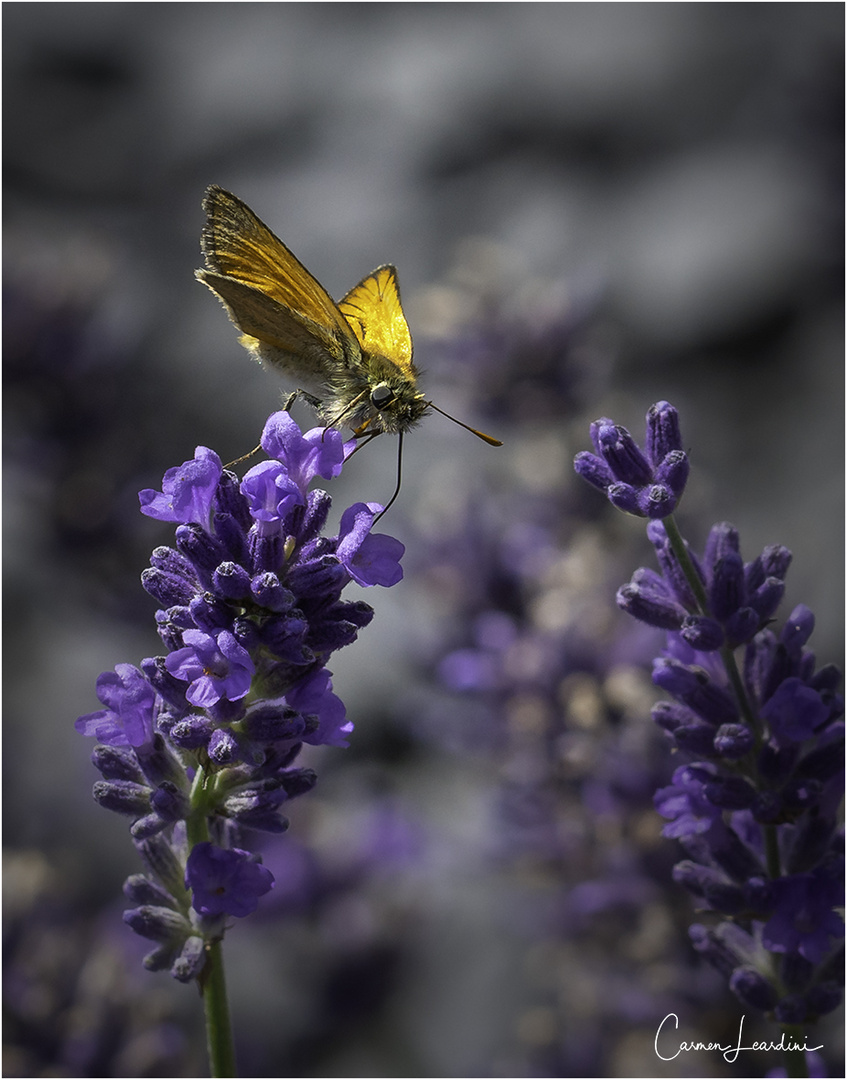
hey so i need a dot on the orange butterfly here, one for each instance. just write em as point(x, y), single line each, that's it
point(352, 360)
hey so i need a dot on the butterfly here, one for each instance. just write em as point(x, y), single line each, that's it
point(352, 360)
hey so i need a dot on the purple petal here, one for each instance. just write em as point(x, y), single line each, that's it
point(187, 491)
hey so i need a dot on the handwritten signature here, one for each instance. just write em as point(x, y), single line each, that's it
point(730, 1053)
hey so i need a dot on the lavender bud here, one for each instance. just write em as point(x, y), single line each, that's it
point(157, 923)
point(139, 889)
point(734, 741)
point(702, 633)
point(625, 497)
point(663, 432)
point(202, 550)
point(672, 472)
point(123, 797)
point(752, 989)
point(166, 589)
point(191, 960)
point(593, 469)
point(117, 763)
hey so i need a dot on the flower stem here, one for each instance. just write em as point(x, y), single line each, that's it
point(692, 577)
point(218, 1025)
point(681, 551)
point(772, 859)
point(213, 982)
point(796, 1064)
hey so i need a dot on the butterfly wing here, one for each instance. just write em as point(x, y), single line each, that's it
point(276, 334)
point(269, 294)
point(373, 309)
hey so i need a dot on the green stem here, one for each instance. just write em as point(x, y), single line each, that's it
point(728, 657)
point(796, 1064)
point(218, 1025)
point(681, 551)
point(213, 980)
point(772, 860)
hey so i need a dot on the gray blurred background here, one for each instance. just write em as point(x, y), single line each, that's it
point(672, 172)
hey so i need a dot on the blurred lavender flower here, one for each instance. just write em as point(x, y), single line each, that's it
point(547, 691)
point(525, 347)
point(72, 1004)
point(201, 744)
point(756, 809)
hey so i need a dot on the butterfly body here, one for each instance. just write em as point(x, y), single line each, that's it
point(354, 357)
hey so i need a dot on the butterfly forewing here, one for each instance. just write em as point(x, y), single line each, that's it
point(374, 311)
point(238, 245)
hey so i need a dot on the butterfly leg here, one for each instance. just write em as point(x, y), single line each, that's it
point(310, 399)
point(243, 457)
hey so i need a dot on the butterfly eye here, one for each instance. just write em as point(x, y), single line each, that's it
point(381, 395)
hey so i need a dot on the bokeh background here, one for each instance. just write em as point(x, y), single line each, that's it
point(592, 207)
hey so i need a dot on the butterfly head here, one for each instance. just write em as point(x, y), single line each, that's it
point(394, 404)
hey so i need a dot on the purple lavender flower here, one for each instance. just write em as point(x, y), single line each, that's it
point(215, 666)
point(804, 915)
point(201, 743)
point(647, 483)
point(320, 452)
point(187, 490)
point(225, 881)
point(313, 696)
point(128, 717)
point(757, 808)
point(272, 493)
point(369, 558)
point(735, 600)
point(685, 802)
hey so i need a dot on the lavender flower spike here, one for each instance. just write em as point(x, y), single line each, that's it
point(756, 806)
point(201, 743)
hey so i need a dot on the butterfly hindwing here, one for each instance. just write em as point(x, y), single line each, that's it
point(373, 310)
point(283, 338)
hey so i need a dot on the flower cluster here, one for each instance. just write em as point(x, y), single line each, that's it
point(201, 743)
point(756, 806)
point(647, 483)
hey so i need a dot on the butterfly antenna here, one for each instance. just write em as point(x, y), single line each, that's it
point(386, 508)
point(479, 434)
